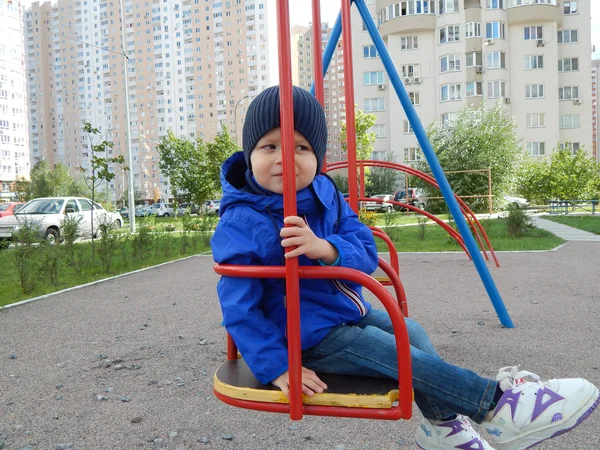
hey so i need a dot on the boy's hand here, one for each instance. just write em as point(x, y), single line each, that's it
point(301, 236)
point(310, 383)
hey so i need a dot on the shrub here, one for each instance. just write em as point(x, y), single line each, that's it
point(70, 231)
point(517, 222)
point(422, 221)
point(25, 237)
point(369, 218)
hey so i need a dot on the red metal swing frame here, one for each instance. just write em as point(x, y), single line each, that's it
point(292, 272)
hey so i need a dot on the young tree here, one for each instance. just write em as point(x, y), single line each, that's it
point(382, 180)
point(47, 182)
point(100, 166)
point(479, 137)
point(365, 138)
point(194, 168)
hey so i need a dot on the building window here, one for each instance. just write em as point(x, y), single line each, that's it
point(573, 147)
point(370, 78)
point(409, 43)
point(496, 89)
point(447, 119)
point(374, 104)
point(448, 6)
point(450, 33)
point(567, 37)
point(568, 93)
point(450, 63)
point(569, 121)
point(410, 70)
point(568, 65)
point(414, 98)
point(474, 59)
point(379, 130)
point(496, 60)
point(412, 154)
point(472, 29)
point(533, 33)
point(369, 51)
point(536, 120)
point(495, 4)
point(474, 89)
point(406, 8)
point(570, 7)
point(534, 62)
point(450, 92)
point(494, 30)
point(536, 148)
point(408, 129)
point(534, 91)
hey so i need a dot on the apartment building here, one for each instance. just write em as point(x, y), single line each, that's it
point(595, 123)
point(532, 55)
point(14, 142)
point(334, 94)
point(191, 67)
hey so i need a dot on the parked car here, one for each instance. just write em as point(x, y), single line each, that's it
point(50, 211)
point(380, 207)
point(162, 210)
point(211, 207)
point(143, 211)
point(9, 208)
point(521, 202)
point(187, 208)
point(416, 197)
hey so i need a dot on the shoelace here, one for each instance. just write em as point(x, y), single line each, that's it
point(511, 378)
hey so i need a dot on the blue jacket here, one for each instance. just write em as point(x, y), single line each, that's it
point(254, 310)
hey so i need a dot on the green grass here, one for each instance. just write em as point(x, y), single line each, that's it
point(587, 223)
point(81, 270)
point(406, 239)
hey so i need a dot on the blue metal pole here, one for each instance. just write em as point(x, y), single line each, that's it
point(435, 166)
point(334, 37)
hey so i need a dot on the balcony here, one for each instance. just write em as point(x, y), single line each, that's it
point(410, 23)
point(528, 11)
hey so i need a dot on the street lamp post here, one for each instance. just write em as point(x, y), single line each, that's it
point(235, 117)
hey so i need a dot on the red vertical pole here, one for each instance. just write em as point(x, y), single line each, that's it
point(318, 59)
point(361, 170)
point(289, 206)
point(350, 117)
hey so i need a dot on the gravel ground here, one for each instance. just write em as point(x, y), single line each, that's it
point(127, 363)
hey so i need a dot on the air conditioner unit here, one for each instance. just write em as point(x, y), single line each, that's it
point(507, 100)
point(416, 80)
point(407, 80)
point(540, 42)
point(577, 102)
point(381, 87)
point(479, 69)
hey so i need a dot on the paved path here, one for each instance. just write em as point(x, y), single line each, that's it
point(564, 231)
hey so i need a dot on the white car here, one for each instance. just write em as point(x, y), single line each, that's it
point(521, 202)
point(162, 210)
point(50, 211)
point(376, 206)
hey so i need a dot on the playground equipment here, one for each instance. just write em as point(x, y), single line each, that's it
point(346, 396)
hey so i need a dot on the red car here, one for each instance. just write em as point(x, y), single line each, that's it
point(9, 208)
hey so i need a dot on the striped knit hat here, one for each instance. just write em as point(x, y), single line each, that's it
point(263, 116)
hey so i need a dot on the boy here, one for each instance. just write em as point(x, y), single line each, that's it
point(340, 332)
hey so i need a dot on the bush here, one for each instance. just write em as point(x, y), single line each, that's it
point(25, 237)
point(517, 222)
point(369, 218)
point(70, 231)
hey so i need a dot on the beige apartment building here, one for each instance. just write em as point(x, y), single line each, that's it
point(14, 142)
point(532, 55)
point(334, 94)
point(191, 67)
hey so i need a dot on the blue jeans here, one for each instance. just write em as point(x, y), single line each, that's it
point(368, 348)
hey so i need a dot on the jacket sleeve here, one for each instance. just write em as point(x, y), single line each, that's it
point(259, 339)
point(354, 241)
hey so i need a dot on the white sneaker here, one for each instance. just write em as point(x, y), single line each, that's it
point(531, 411)
point(452, 434)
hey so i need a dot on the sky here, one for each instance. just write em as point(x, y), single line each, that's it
point(301, 14)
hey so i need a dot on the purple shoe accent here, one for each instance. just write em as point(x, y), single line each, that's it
point(556, 417)
point(474, 444)
point(584, 416)
point(541, 405)
point(512, 399)
point(455, 425)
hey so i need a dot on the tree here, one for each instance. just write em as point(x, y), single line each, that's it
point(194, 167)
point(365, 138)
point(341, 181)
point(100, 166)
point(47, 182)
point(477, 138)
point(382, 180)
point(567, 176)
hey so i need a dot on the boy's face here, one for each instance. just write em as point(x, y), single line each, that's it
point(266, 161)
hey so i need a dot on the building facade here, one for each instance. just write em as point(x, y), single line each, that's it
point(532, 55)
point(334, 93)
point(191, 67)
point(595, 123)
point(14, 140)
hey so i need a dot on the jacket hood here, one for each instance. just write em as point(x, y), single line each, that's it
point(233, 181)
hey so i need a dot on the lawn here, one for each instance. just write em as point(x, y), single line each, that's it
point(587, 223)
